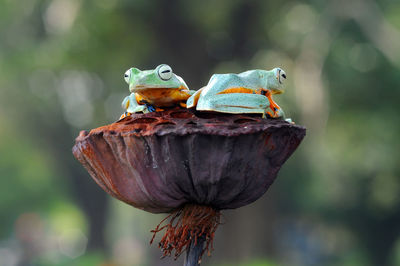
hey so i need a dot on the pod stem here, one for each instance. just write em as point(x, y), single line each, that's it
point(194, 252)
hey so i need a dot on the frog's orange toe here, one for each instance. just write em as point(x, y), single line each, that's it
point(124, 115)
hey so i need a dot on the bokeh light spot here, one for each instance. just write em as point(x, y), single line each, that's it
point(363, 57)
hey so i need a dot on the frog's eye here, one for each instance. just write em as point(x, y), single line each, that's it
point(282, 76)
point(165, 72)
point(127, 76)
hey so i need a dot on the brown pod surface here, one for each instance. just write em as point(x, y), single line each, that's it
point(161, 161)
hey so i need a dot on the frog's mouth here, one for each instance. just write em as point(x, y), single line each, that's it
point(277, 91)
point(141, 88)
point(273, 91)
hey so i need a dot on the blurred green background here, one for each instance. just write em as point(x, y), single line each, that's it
point(335, 202)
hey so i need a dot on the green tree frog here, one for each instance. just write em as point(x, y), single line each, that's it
point(247, 92)
point(154, 89)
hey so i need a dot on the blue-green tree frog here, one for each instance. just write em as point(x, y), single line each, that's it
point(247, 92)
point(154, 89)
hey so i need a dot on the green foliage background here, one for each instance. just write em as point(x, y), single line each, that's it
point(335, 202)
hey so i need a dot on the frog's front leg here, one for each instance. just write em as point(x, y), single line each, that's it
point(234, 103)
point(276, 109)
point(194, 98)
point(125, 104)
point(131, 105)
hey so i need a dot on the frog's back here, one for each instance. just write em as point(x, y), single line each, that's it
point(252, 79)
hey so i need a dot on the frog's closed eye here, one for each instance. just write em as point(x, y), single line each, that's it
point(127, 76)
point(165, 72)
point(282, 76)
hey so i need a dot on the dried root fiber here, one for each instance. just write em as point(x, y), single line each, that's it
point(187, 224)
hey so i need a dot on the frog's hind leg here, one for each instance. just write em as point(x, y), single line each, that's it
point(234, 103)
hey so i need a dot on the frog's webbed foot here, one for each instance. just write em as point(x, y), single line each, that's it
point(125, 114)
point(150, 108)
point(147, 108)
point(289, 120)
point(276, 113)
point(268, 115)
